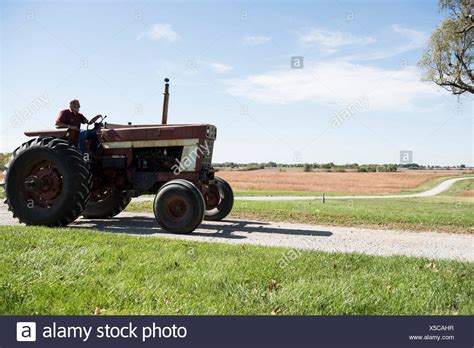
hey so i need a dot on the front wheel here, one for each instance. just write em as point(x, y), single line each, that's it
point(219, 200)
point(179, 207)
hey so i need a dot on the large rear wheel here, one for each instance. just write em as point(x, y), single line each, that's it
point(219, 200)
point(47, 182)
point(179, 207)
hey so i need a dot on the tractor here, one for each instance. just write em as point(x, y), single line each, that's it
point(49, 182)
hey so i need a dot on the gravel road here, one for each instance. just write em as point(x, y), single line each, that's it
point(433, 245)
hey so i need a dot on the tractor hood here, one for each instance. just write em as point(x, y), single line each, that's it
point(121, 136)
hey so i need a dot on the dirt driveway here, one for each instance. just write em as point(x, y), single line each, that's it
point(433, 245)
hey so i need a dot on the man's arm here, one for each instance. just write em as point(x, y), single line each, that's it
point(84, 119)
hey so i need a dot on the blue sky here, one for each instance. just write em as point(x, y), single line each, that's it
point(358, 98)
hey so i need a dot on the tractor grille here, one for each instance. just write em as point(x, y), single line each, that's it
point(211, 132)
point(207, 156)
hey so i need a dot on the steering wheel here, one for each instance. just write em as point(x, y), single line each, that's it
point(94, 120)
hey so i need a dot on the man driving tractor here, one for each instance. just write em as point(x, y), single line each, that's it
point(72, 118)
point(49, 183)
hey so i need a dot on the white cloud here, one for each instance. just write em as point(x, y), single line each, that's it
point(255, 40)
point(331, 40)
point(220, 67)
point(159, 32)
point(417, 38)
point(336, 83)
point(413, 40)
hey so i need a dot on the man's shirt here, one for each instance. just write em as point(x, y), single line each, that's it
point(70, 118)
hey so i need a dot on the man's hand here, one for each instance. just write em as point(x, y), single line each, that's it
point(64, 125)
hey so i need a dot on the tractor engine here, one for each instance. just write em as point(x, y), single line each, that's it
point(157, 159)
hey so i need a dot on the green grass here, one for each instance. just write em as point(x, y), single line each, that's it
point(459, 187)
point(429, 184)
point(253, 193)
point(454, 214)
point(69, 271)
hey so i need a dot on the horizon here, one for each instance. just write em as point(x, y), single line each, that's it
point(348, 164)
point(355, 97)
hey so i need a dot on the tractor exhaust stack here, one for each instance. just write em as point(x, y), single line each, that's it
point(166, 96)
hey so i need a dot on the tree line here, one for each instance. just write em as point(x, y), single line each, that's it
point(332, 167)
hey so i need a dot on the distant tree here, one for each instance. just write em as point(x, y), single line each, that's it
point(387, 168)
point(413, 166)
point(4, 159)
point(448, 58)
point(229, 164)
point(271, 164)
point(307, 167)
point(367, 168)
point(327, 165)
point(392, 167)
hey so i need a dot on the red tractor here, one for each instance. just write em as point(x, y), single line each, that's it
point(49, 182)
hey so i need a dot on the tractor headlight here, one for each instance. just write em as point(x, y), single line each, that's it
point(211, 132)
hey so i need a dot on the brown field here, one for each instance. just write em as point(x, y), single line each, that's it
point(352, 182)
point(468, 193)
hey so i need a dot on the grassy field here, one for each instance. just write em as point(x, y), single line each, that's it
point(69, 271)
point(453, 211)
point(273, 183)
point(254, 193)
point(463, 188)
point(453, 214)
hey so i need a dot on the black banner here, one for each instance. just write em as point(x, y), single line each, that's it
point(236, 331)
